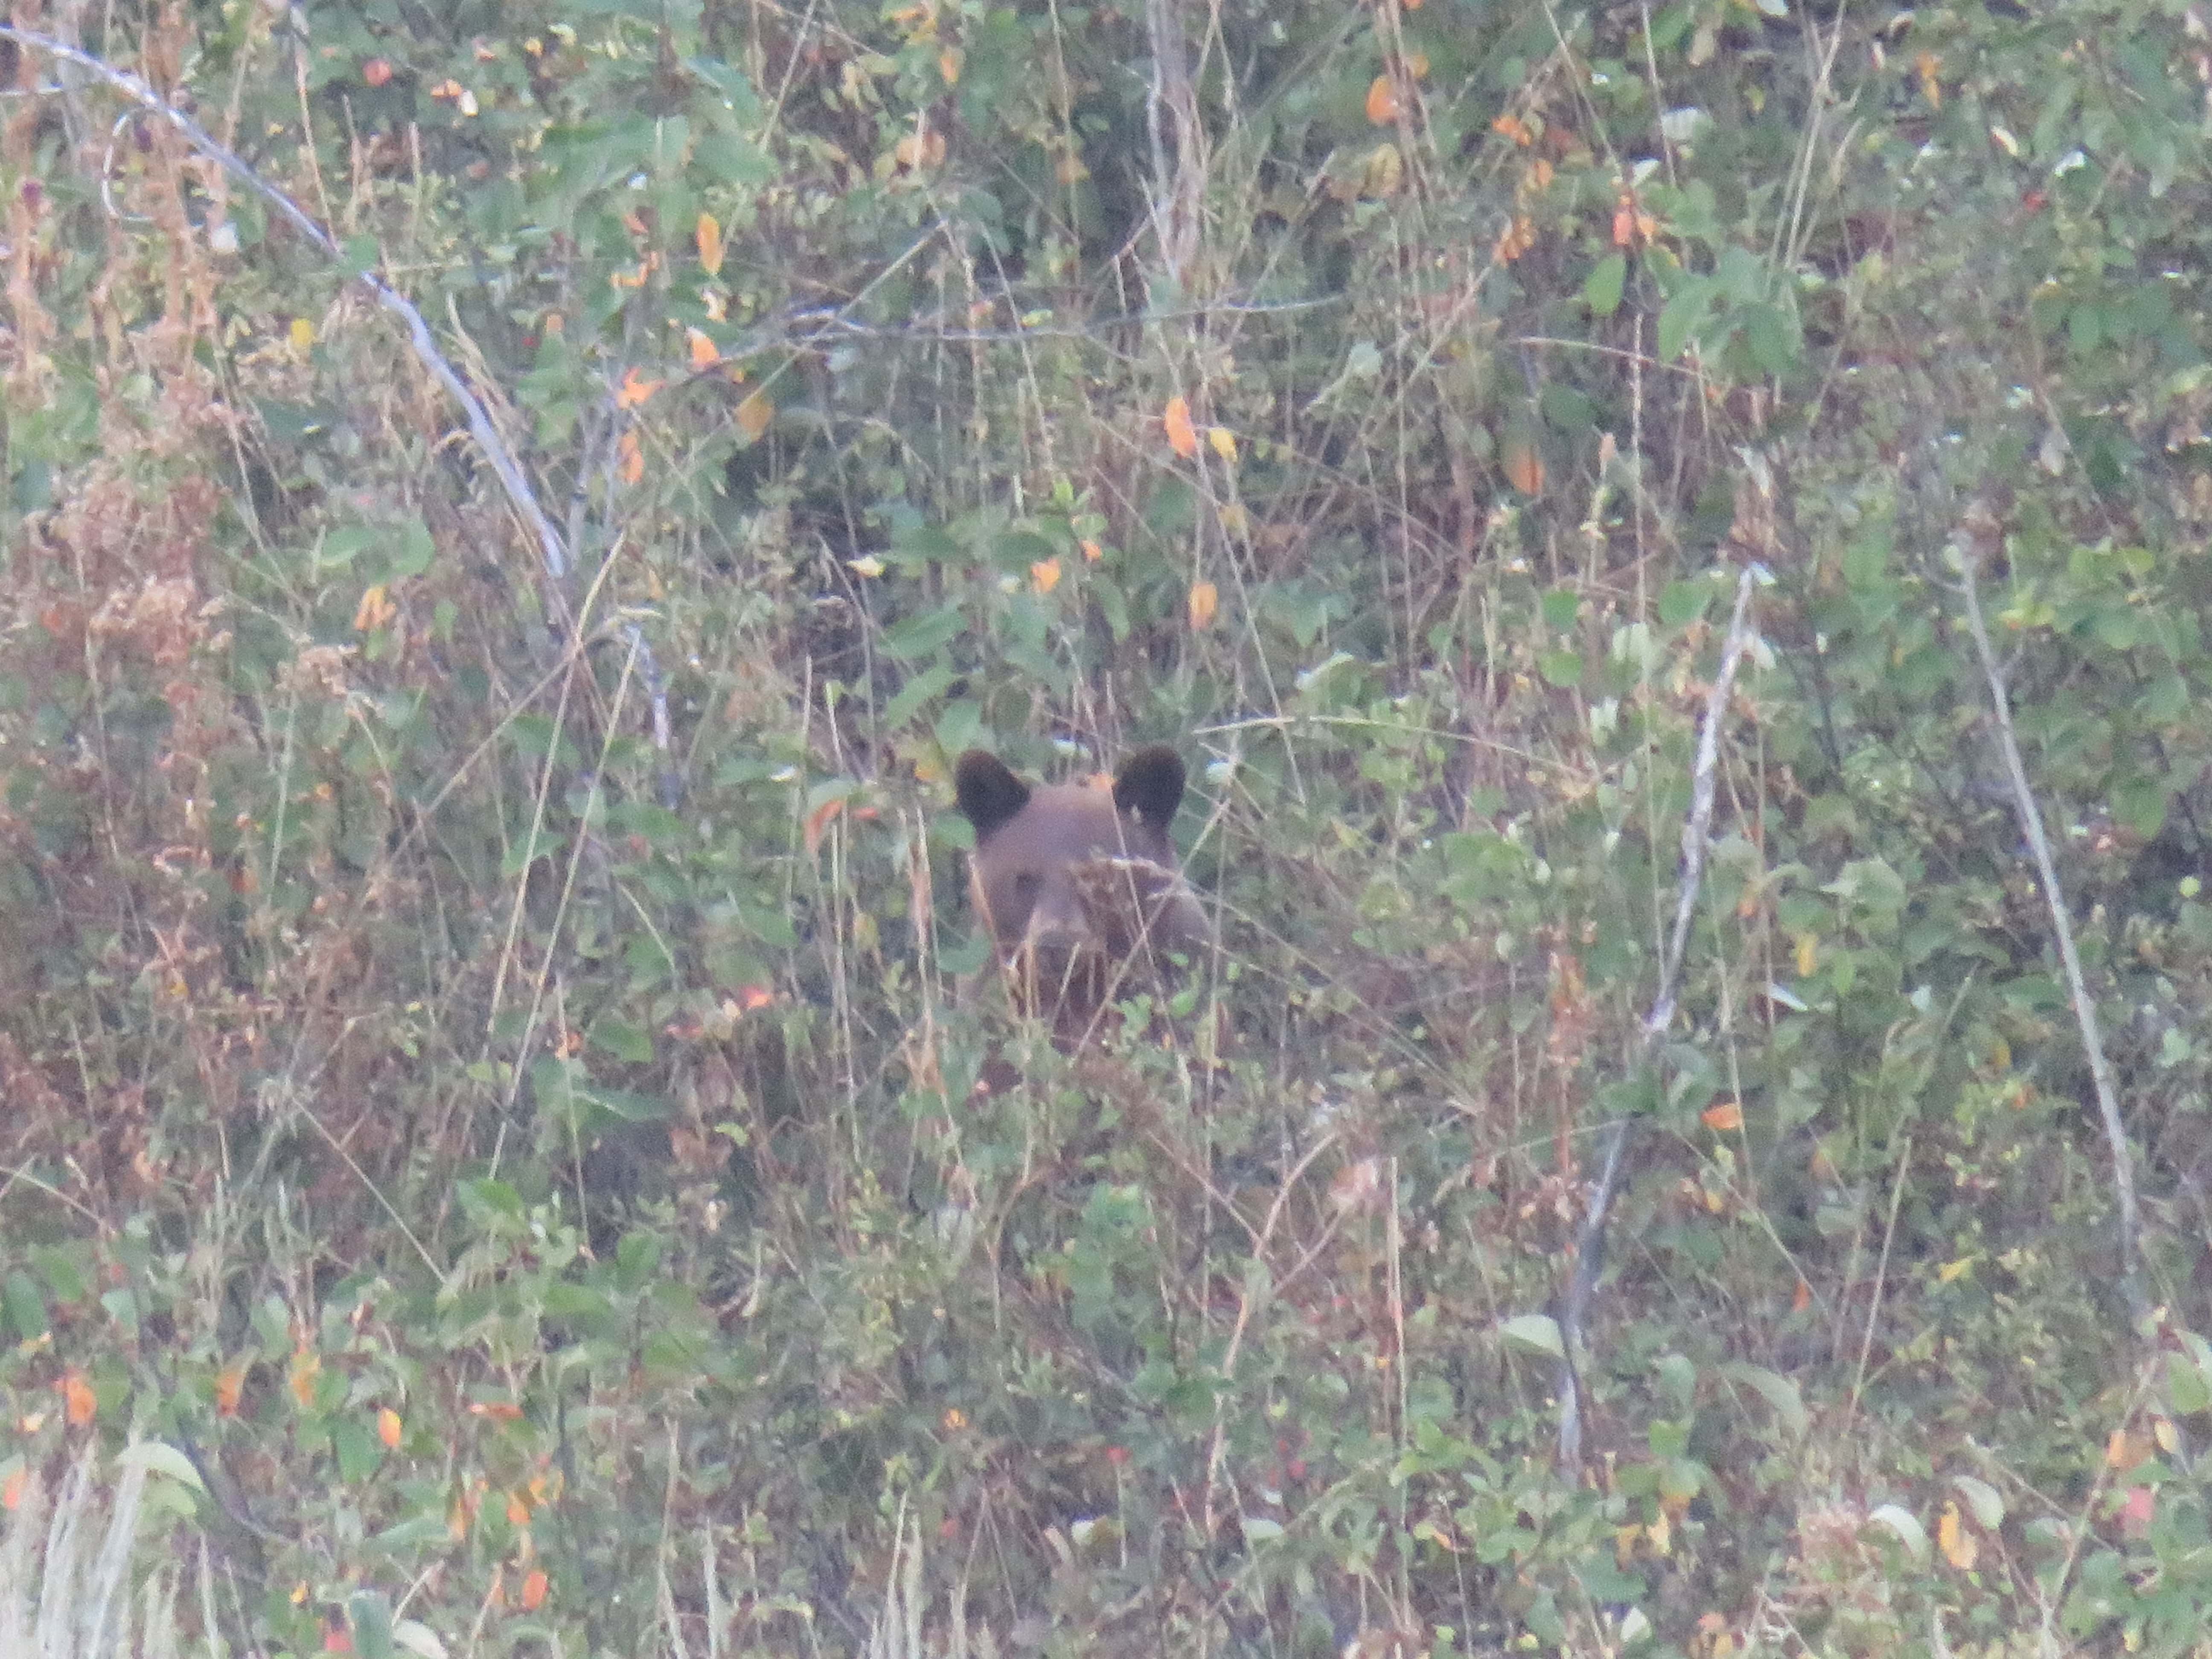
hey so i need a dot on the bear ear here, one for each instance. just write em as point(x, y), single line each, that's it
point(988, 792)
point(1151, 785)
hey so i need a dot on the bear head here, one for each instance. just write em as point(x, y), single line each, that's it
point(1078, 883)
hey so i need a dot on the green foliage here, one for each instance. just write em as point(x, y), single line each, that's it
point(507, 1106)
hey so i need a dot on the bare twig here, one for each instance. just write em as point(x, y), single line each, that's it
point(506, 465)
point(1976, 537)
point(503, 459)
point(1589, 1238)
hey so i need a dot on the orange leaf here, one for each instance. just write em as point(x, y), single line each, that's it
point(2135, 1513)
point(376, 71)
point(1092, 552)
point(1044, 575)
point(518, 1511)
point(1182, 437)
point(629, 465)
point(704, 353)
point(388, 1428)
point(78, 1400)
point(635, 389)
point(1383, 101)
point(11, 1489)
point(948, 65)
point(818, 821)
point(500, 1411)
point(229, 1384)
point(754, 415)
point(752, 997)
point(306, 1368)
point(709, 237)
point(1802, 1297)
point(1511, 126)
point(1205, 600)
point(1724, 1117)
point(533, 1589)
point(1524, 467)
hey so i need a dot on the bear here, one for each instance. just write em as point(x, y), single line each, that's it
point(1079, 885)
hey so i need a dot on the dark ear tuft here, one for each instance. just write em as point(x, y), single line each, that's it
point(988, 792)
point(1151, 785)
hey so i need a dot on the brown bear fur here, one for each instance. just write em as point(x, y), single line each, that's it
point(1078, 883)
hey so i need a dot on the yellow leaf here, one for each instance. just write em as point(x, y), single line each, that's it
point(1235, 520)
point(1224, 442)
point(1044, 575)
point(704, 353)
point(629, 462)
point(866, 565)
point(374, 610)
point(1957, 1544)
point(1524, 467)
point(1383, 101)
point(948, 65)
point(1182, 437)
point(1808, 954)
point(1929, 64)
point(1205, 600)
point(754, 415)
point(709, 238)
point(1952, 1271)
point(302, 332)
point(635, 389)
point(1724, 1117)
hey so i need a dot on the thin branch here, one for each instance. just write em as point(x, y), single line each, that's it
point(1978, 536)
point(1589, 1238)
point(502, 459)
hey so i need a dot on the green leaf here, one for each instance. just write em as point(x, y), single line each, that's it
point(159, 1457)
point(1777, 1391)
point(26, 1309)
point(1539, 1333)
point(918, 636)
point(622, 1040)
point(1601, 288)
point(1563, 669)
point(1906, 1528)
point(1680, 319)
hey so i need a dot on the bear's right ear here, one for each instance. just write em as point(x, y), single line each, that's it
point(988, 792)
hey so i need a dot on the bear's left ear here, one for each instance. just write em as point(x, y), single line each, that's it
point(1150, 785)
point(989, 793)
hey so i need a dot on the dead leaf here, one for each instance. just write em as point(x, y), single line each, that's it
point(1205, 600)
point(1182, 437)
point(1524, 467)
